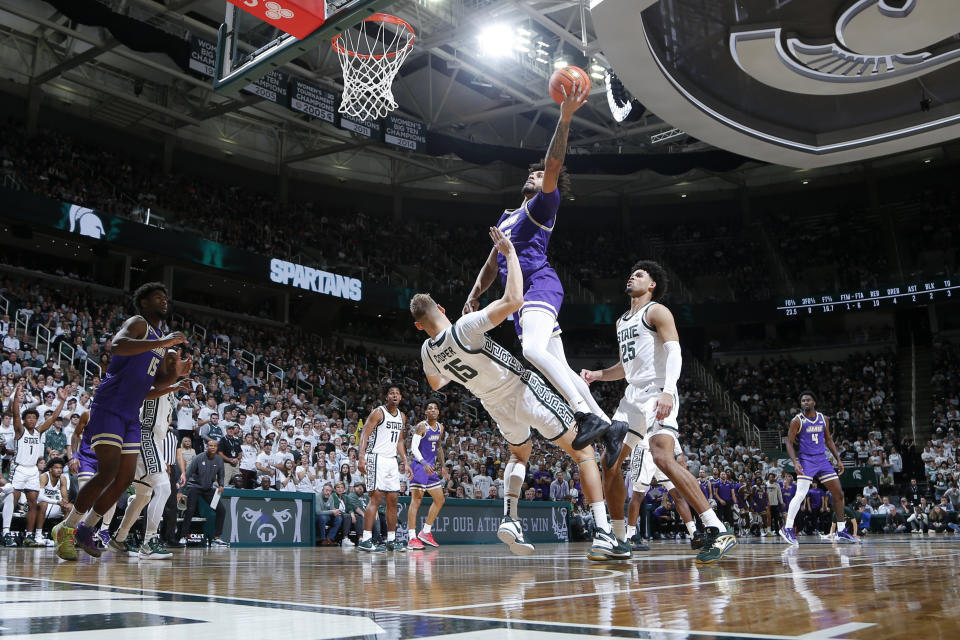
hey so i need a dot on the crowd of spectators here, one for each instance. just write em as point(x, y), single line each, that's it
point(721, 261)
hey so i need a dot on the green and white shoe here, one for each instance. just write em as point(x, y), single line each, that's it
point(606, 546)
point(127, 547)
point(9, 540)
point(370, 547)
point(716, 544)
point(400, 546)
point(154, 550)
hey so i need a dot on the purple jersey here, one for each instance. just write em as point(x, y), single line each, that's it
point(816, 498)
point(811, 436)
point(725, 490)
point(429, 443)
point(129, 379)
point(705, 488)
point(788, 492)
point(529, 228)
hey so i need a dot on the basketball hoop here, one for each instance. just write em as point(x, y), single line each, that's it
point(370, 56)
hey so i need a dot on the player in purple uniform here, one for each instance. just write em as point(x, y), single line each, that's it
point(812, 429)
point(529, 228)
point(427, 448)
point(138, 361)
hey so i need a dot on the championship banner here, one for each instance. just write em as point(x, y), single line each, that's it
point(265, 518)
point(476, 521)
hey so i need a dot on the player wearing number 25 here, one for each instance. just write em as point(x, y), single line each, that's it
point(139, 360)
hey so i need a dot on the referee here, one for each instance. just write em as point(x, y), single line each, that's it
point(168, 453)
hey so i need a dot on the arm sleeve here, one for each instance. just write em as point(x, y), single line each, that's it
point(543, 207)
point(673, 366)
point(415, 448)
point(219, 471)
point(471, 327)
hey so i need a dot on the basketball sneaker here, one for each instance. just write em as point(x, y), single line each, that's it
point(63, 538)
point(511, 533)
point(607, 547)
point(846, 536)
point(613, 442)
point(589, 428)
point(829, 537)
point(28, 541)
point(427, 538)
point(716, 544)
point(639, 545)
point(369, 546)
point(85, 538)
point(415, 545)
point(788, 534)
point(9, 540)
point(154, 550)
point(103, 538)
point(124, 547)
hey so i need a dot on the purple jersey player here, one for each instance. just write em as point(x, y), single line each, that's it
point(427, 448)
point(529, 228)
point(811, 430)
point(138, 361)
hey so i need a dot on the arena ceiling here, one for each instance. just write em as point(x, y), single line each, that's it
point(449, 81)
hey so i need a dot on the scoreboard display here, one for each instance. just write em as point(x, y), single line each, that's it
point(875, 298)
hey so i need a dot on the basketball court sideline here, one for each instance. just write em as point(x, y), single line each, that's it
point(765, 590)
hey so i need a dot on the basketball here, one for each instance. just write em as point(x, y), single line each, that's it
point(565, 78)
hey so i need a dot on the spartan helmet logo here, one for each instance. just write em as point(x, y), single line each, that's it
point(86, 222)
point(559, 523)
point(262, 525)
point(276, 12)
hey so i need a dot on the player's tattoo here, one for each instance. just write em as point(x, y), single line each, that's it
point(558, 145)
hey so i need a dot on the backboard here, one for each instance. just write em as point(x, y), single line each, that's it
point(236, 68)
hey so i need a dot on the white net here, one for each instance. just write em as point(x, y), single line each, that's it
point(370, 55)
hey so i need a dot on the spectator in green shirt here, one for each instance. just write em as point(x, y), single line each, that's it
point(55, 441)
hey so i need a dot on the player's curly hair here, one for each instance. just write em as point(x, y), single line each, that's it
point(657, 273)
point(144, 291)
point(807, 393)
point(563, 180)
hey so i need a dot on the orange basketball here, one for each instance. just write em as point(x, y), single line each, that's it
point(565, 78)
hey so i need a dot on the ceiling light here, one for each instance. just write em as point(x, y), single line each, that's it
point(597, 75)
point(543, 60)
point(927, 161)
point(560, 63)
point(523, 32)
point(496, 41)
point(805, 182)
point(541, 43)
point(454, 194)
point(596, 67)
point(683, 195)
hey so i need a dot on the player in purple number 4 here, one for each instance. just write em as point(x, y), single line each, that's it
point(139, 360)
point(812, 429)
point(529, 228)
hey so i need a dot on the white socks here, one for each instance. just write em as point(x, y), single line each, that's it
point(691, 527)
point(710, 519)
point(619, 529)
point(631, 531)
point(599, 510)
point(427, 528)
point(366, 535)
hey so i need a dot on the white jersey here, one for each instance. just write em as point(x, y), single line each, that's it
point(465, 353)
point(51, 490)
point(383, 441)
point(155, 416)
point(29, 448)
point(641, 349)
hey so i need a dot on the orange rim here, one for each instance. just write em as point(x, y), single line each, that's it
point(377, 17)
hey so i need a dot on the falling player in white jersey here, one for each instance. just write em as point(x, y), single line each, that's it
point(26, 475)
point(152, 481)
point(516, 398)
point(383, 441)
point(650, 360)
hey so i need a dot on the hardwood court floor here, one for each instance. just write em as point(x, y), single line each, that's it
point(889, 587)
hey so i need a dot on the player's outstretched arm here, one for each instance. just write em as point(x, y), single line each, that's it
point(488, 273)
point(791, 436)
point(15, 409)
point(557, 151)
point(512, 298)
point(124, 343)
